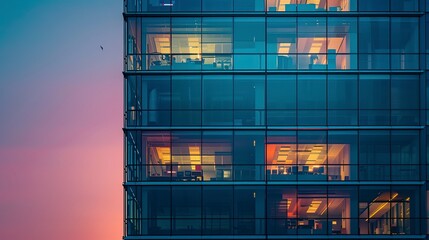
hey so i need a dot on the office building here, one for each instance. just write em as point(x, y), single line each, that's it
point(275, 119)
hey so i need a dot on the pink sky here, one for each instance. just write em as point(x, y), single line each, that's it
point(61, 119)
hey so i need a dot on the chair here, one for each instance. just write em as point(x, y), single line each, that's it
point(315, 170)
point(219, 174)
point(305, 169)
point(197, 175)
point(294, 169)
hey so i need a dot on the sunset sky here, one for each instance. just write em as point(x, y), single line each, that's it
point(61, 118)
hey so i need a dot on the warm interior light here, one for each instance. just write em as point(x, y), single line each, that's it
point(164, 154)
point(314, 154)
point(284, 48)
point(281, 4)
point(194, 154)
point(381, 207)
point(283, 153)
point(226, 174)
point(315, 47)
point(317, 2)
point(162, 45)
point(314, 205)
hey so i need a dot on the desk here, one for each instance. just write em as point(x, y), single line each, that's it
point(310, 226)
point(189, 176)
point(294, 173)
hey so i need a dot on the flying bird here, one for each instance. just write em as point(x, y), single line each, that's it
point(101, 48)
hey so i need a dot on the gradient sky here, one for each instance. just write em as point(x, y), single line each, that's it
point(61, 119)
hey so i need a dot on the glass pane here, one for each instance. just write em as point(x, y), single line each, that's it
point(217, 6)
point(342, 117)
point(217, 35)
point(249, 147)
point(249, 5)
point(342, 41)
point(217, 92)
point(217, 117)
point(374, 148)
point(312, 156)
point(312, 43)
point(374, 61)
point(186, 6)
point(282, 206)
point(405, 5)
point(405, 147)
point(343, 155)
point(157, 6)
point(217, 151)
point(281, 117)
point(407, 41)
point(405, 92)
point(371, 5)
point(186, 41)
point(342, 92)
point(374, 92)
point(282, 42)
point(186, 92)
point(249, 61)
point(374, 117)
point(249, 92)
point(249, 35)
point(186, 210)
point(281, 156)
point(281, 92)
point(312, 92)
point(157, 156)
point(374, 34)
point(311, 117)
point(249, 210)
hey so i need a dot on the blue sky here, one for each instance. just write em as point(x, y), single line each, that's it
point(61, 115)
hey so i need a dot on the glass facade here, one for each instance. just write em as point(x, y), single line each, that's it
point(276, 119)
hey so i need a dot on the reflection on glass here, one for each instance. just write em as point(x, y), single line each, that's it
point(316, 43)
point(306, 210)
point(386, 212)
point(307, 160)
point(317, 156)
point(217, 43)
point(310, 5)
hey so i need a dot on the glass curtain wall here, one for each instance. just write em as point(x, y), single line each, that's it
point(279, 119)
